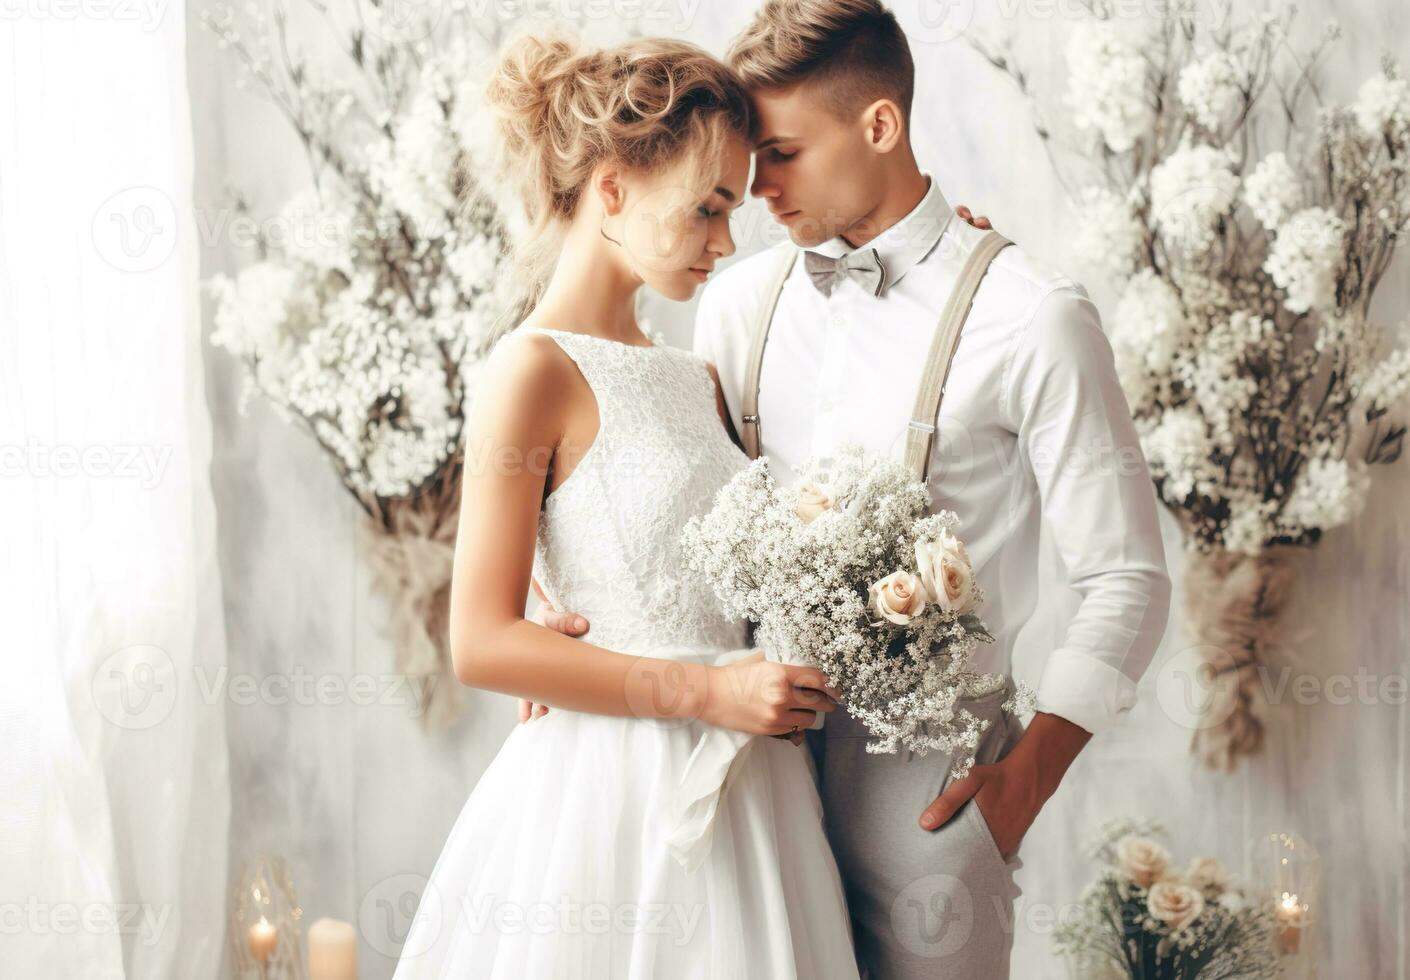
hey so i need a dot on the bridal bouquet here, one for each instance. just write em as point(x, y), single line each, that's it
point(1142, 919)
point(1246, 221)
point(847, 572)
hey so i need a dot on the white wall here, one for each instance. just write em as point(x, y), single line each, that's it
point(357, 797)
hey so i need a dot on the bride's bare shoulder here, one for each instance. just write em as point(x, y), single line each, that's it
point(524, 383)
point(528, 357)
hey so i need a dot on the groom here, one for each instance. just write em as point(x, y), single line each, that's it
point(1033, 427)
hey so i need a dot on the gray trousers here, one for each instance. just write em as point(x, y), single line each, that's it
point(927, 904)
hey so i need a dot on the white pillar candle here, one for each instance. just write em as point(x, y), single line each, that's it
point(332, 950)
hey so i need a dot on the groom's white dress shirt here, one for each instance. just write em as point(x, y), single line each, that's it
point(1033, 425)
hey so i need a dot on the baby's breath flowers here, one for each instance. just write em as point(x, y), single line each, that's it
point(376, 294)
point(1246, 222)
point(846, 571)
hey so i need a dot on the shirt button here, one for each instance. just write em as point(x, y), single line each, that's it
point(837, 320)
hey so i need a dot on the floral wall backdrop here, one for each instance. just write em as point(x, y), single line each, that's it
point(332, 768)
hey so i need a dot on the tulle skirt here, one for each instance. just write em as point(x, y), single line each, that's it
point(559, 865)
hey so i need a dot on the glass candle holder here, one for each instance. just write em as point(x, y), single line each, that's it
point(266, 929)
point(1287, 872)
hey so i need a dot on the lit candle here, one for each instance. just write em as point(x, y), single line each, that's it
point(332, 950)
point(1289, 916)
point(262, 939)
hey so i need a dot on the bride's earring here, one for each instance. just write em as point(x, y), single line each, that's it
point(602, 230)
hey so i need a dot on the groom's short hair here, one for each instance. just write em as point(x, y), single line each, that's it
point(854, 51)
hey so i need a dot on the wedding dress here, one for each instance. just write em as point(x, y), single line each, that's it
point(606, 847)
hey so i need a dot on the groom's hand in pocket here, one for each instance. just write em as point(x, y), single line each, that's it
point(567, 623)
point(1007, 799)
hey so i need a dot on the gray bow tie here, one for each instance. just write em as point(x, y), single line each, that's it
point(863, 266)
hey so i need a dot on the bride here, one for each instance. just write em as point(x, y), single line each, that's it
point(604, 841)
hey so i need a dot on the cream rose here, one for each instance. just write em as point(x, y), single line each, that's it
point(1142, 859)
point(946, 572)
point(1207, 874)
point(899, 597)
point(813, 499)
point(1174, 903)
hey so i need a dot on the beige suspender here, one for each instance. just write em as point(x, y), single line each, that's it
point(920, 430)
point(750, 435)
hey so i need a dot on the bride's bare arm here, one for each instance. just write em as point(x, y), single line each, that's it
point(516, 423)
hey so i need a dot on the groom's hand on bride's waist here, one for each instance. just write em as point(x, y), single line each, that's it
point(567, 623)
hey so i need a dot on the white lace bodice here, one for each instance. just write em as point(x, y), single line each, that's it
point(609, 536)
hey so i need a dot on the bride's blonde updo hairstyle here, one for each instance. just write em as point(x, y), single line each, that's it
point(647, 104)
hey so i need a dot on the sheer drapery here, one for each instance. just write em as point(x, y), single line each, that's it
point(114, 786)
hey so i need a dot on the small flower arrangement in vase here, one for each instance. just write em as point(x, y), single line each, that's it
point(1144, 920)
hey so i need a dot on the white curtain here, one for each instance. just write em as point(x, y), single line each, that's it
point(114, 784)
